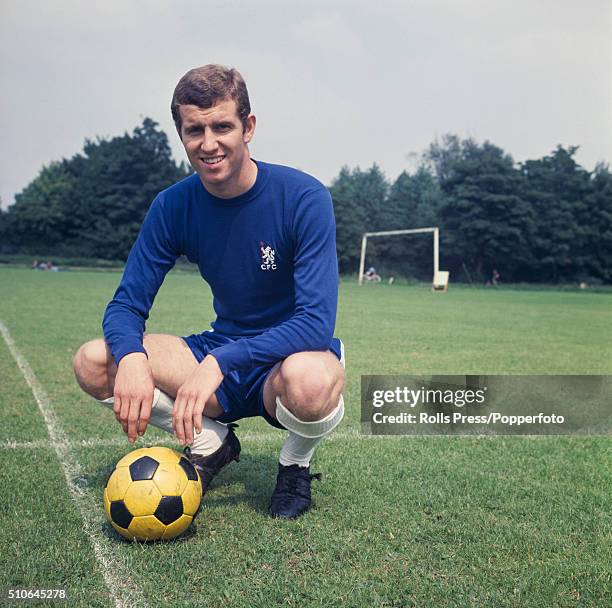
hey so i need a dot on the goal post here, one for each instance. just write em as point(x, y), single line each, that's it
point(436, 247)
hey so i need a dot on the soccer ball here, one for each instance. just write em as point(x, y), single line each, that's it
point(153, 493)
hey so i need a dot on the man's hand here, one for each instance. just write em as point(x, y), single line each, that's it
point(133, 394)
point(192, 397)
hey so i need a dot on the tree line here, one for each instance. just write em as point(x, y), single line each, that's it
point(92, 205)
point(545, 220)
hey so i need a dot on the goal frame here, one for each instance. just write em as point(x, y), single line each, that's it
point(436, 248)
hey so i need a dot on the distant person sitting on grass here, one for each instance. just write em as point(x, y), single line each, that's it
point(263, 237)
point(44, 265)
point(371, 275)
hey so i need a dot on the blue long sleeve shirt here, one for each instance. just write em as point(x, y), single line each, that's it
point(269, 256)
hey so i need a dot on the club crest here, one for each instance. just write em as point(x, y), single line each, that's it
point(268, 257)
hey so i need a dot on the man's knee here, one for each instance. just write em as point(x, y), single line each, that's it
point(90, 355)
point(311, 384)
point(90, 364)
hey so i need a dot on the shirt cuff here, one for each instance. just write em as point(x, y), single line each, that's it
point(128, 346)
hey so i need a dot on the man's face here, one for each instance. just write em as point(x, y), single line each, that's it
point(216, 144)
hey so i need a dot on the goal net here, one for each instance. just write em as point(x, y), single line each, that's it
point(379, 256)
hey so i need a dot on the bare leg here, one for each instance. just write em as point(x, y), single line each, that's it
point(304, 393)
point(309, 384)
point(170, 358)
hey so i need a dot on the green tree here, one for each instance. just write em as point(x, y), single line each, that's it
point(413, 202)
point(121, 177)
point(4, 233)
point(486, 223)
point(93, 204)
point(557, 188)
point(36, 220)
point(359, 199)
point(442, 156)
point(597, 246)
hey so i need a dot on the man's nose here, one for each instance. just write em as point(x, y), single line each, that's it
point(209, 142)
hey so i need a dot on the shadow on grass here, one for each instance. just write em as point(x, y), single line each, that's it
point(255, 473)
point(95, 481)
point(107, 530)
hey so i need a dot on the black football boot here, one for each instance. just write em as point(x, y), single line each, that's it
point(209, 466)
point(291, 497)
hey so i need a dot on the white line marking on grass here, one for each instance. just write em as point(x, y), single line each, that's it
point(116, 576)
point(11, 444)
point(25, 445)
point(247, 437)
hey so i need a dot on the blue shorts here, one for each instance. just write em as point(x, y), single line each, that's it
point(241, 392)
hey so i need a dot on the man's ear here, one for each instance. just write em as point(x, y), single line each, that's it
point(249, 128)
point(179, 125)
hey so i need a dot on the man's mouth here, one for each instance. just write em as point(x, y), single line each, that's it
point(211, 160)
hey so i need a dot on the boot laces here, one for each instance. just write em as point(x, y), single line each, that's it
point(295, 482)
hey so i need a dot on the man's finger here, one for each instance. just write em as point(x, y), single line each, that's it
point(119, 403)
point(123, 414)
point(177, 419)
point(145, 415)
point(133, 419)
point(188, 418)
point(175, 410)
point(117, 408)
point(198, 410)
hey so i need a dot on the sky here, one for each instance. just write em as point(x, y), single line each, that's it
point(331, 83)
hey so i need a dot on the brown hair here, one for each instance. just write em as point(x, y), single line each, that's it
point(207, 85)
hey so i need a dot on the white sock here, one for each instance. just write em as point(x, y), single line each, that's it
point(206, 442)
point(304, 437)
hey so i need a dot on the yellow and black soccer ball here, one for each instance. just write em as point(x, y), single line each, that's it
point(153, 493)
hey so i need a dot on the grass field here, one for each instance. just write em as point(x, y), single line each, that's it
point(398, 522)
